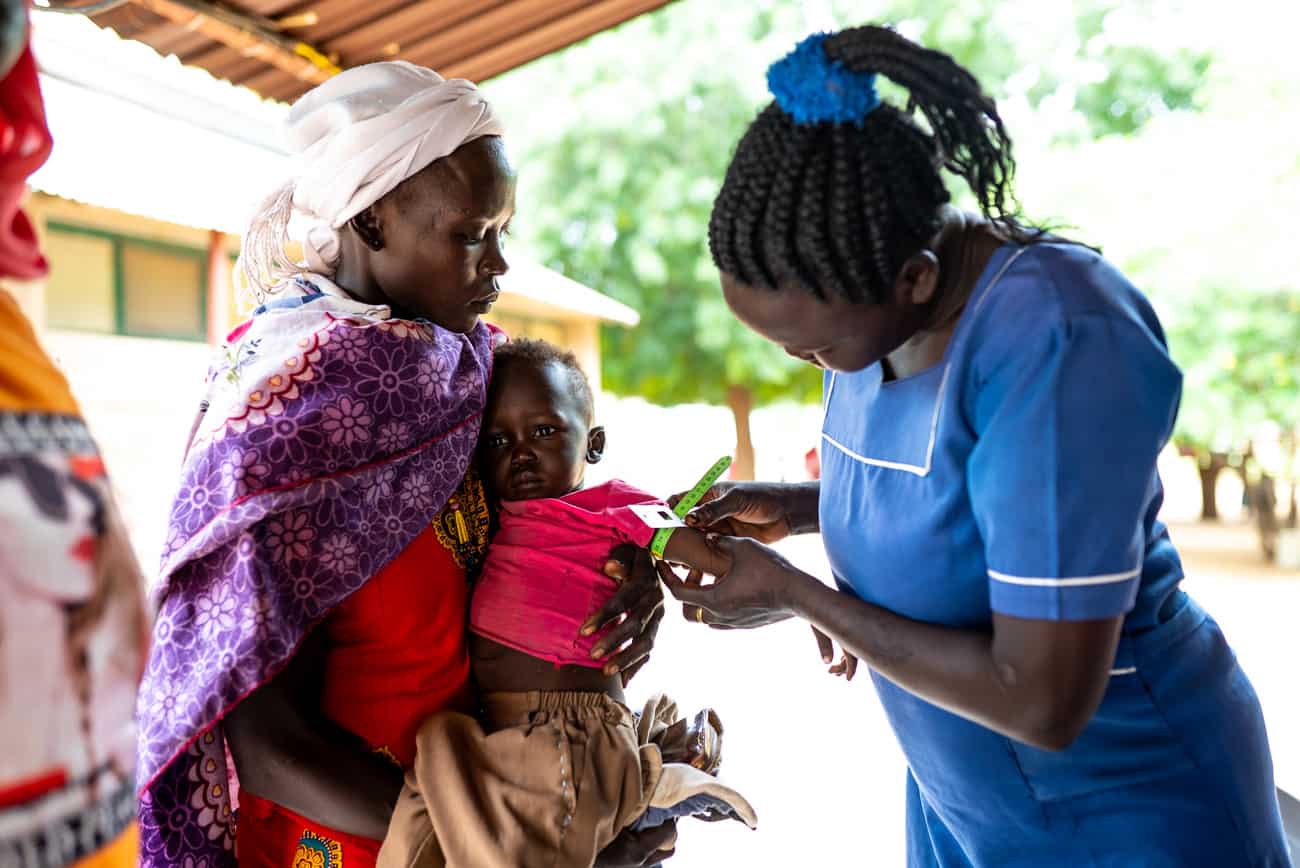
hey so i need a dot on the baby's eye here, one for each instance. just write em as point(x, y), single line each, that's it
point(545, 430)
point(496, 441)
point(472, 239)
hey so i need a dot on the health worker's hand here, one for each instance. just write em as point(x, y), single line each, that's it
point(757, 510)
point(754, 591)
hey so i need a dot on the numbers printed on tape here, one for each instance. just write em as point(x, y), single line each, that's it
point(692, 497)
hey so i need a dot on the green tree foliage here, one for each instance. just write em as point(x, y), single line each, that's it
point(1241, 378)
point(1098, 71)
point(625, 210)
point(621, 201)
point(1241, 367)
point(634, 228)
point(618, 195)
point(1195, 208)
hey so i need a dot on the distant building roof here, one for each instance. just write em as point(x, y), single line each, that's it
point(541, 285)
point(143, 134)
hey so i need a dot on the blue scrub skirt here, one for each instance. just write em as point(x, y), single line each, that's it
point(1174, 772)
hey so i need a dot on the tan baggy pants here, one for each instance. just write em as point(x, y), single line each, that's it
point(552, 781)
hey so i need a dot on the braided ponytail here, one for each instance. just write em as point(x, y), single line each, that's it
point(967, 130)
point(832, 190)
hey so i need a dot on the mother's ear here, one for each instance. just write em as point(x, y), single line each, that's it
point(595, 445)
point(368, 228)
point(918, 280)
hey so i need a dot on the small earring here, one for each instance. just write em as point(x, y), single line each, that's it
point(367, 234)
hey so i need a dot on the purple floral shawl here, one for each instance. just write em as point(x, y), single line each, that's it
point(332, 436)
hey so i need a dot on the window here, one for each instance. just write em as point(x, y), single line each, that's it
point(79, 289)
point(162, 292)
point(104, 282)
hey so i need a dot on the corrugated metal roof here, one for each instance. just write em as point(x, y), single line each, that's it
point(459, 38)
point(139, 133)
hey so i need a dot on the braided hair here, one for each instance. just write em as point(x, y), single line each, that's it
point(833, 190)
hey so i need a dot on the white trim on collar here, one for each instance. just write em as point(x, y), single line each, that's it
point(916, 469)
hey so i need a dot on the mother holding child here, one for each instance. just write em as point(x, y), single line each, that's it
point(315, 581)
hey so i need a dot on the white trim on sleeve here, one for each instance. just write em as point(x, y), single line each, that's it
point(1073, 582)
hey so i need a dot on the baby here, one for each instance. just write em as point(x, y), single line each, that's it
point(556, 766)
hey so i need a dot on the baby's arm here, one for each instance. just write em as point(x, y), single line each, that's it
point(690, 547)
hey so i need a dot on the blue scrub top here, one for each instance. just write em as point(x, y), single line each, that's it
point(1018, 475)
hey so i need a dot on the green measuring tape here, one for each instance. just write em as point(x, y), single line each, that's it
point(687, 503)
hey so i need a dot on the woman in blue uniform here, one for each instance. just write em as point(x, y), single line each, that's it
point(995, 402)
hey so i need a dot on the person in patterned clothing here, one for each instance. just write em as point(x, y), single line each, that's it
point(72, 622)
point(314, 582)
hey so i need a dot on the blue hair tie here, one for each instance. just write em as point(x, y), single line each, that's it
point(812, 88)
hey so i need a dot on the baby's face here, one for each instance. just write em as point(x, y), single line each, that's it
point(535, 433)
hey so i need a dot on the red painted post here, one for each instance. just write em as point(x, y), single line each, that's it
point(219, 288)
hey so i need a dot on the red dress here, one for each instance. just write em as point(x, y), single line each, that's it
point(396, 654)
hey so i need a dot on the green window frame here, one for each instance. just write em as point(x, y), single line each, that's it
point(119, 242)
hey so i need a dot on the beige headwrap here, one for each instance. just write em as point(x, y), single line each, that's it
point(353, 139)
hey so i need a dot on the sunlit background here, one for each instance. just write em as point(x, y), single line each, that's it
point(1163, 132)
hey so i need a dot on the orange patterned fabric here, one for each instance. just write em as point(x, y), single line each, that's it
point(122, 853)
point(29, 381)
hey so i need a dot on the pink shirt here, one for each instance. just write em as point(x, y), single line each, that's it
point(544, 571)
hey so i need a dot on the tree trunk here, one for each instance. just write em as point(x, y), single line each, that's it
point(1292, 518)
point(741, 401)
point(1209, 469)
point(1265, 499)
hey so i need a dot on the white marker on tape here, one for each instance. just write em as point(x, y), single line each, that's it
point(656, 515)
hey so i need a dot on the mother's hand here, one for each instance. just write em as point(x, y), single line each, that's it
point(643, 849)
point(755, 590)
point(640, 598)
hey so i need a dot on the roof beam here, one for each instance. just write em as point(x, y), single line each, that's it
point(405, 25)
point(336, 18)
point(557, 33)
point(480, 32)
point(247, 35)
